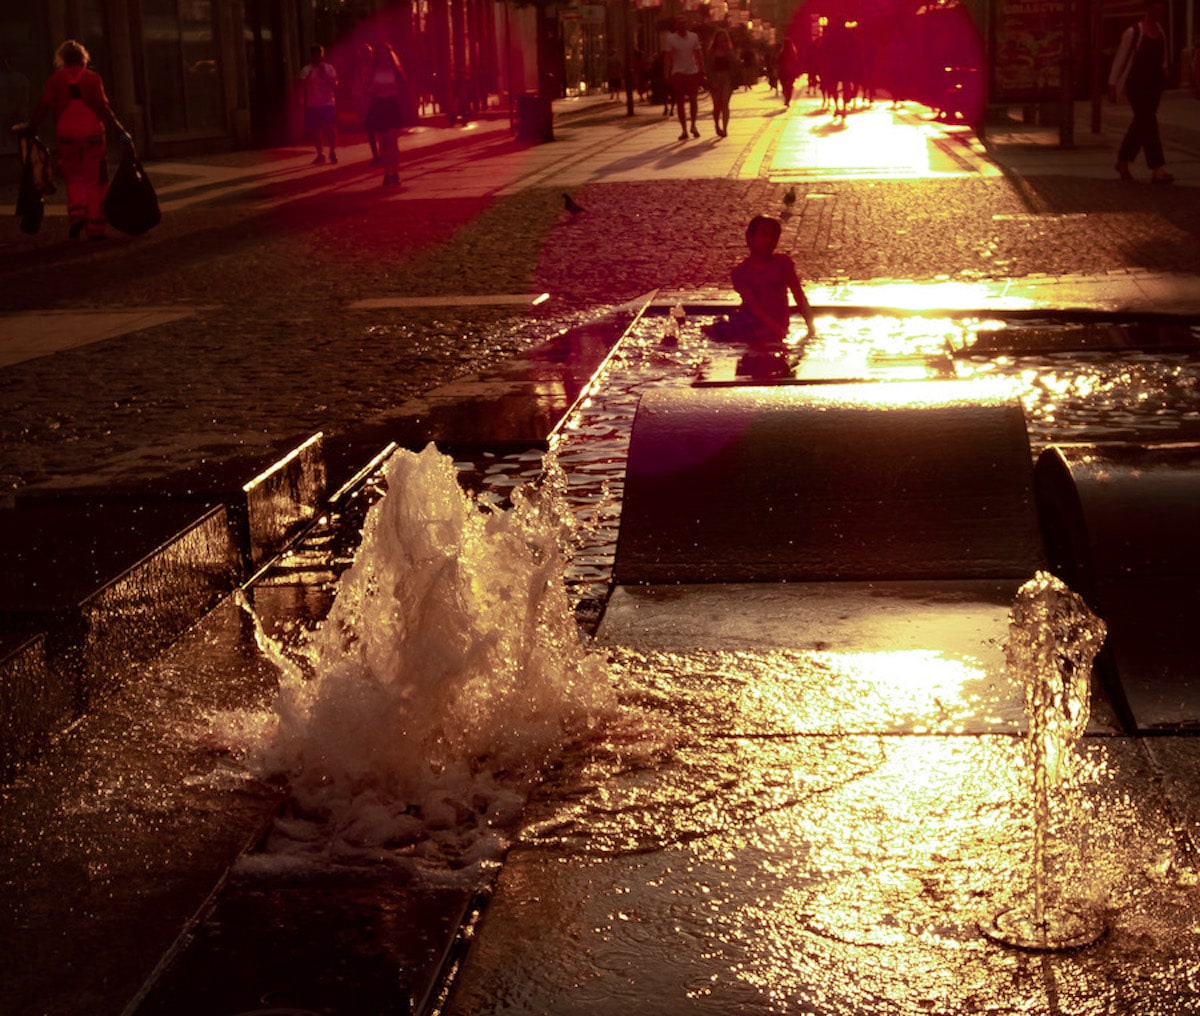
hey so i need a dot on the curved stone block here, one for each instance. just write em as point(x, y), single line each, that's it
point(1122, 527)
point(1121, 510)
point(924, 480)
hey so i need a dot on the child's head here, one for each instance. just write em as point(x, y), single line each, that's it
point(763, 233)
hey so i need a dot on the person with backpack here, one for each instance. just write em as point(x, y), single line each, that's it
point(1140, 70)
point(76, 97)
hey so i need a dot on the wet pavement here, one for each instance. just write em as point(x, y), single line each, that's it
point(833, 875)
point(240, 326)
point(822, 822)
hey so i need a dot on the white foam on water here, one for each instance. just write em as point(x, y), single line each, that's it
point(449, 671)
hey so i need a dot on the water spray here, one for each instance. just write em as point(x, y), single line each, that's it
point(1053, 638)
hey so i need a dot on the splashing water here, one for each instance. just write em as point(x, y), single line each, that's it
point(1053, 638)
point(448, 671)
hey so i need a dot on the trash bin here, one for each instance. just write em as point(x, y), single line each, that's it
point(533, 117)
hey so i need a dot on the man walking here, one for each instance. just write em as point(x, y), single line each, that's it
point(684, 67)
point(320, 103)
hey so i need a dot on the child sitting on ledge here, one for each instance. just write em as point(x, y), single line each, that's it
point(763, 281)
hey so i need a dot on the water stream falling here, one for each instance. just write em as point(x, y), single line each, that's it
point(1053, 638)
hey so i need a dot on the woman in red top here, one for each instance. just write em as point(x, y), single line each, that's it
point(76, 97)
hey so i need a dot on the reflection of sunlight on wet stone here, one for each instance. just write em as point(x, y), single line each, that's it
point(768, 825)
point(929, 297)
point(783, 693)
point(874, 143)
point(902, 857)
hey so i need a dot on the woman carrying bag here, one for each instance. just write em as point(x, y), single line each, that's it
point(76, 97)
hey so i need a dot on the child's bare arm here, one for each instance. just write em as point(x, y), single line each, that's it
point(802, 303)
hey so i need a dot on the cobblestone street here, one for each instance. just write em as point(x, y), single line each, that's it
point(264, 258)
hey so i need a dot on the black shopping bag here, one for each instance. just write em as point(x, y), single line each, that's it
point(131, 204)
point(35, 184)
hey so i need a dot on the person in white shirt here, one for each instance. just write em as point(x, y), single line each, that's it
point(685, 71)
point(320, 103)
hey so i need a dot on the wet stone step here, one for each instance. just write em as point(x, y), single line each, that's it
point(276, 942)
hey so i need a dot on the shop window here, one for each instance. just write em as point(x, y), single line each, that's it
point(182, 69)
point(24, 66)
point(93, 33)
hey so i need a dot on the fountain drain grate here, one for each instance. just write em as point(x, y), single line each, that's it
point(1061, 929)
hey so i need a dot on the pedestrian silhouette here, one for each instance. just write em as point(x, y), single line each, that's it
point(387, 90)
point(721, 61)
point(1139, 71)
point(320, 103)
point(684, 66)
point(76, 97)
point(789, 69)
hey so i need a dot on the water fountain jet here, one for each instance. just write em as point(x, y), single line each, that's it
point(1053, 638)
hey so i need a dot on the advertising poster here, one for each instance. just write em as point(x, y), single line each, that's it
point(1028, 49)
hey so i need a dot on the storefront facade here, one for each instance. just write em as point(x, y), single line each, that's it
point(181, 74)
point(206, 75)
